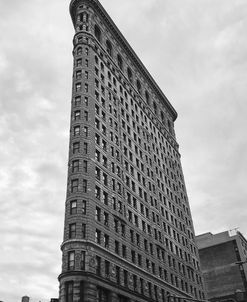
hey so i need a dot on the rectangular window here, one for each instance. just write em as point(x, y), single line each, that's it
point(97, 192)
point(107, 268)
point(75, 166)
point(106, 219)
point(124, 251)
point(76, 130)
point(86, 88)
point(105, 198)
point(69, 291)
point(97, 214)
point(133, 256)
point(125, 278)
point(104, 145)
point(85, 166)
point(78, 62)
point(116, 247)
point(85, 131)
point(73, 207)
point(84, 186)
point(98, 236)
point(72, 230)
point(97, 155)
point(74, 185)
point(85, 148)
point(83, 260)
point(118, 274)
point(123, 230)
point(84, 207)
point(78, 87)
point(98, 265)
point(76, 147)
point(83, 231)
point(86, 116)
point(71, 260)
point(106, 241)
point(77, 101)
point(104, 161)
point(104, 179)
point(78, 74)
point(135, 282)
point(97, 139)
point(142, 287)
point(150, 289)
point(97, 173)
point(86, 101)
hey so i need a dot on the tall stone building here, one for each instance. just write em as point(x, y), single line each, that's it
point(128, 232)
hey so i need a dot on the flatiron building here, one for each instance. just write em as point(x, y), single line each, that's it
point(128, 232)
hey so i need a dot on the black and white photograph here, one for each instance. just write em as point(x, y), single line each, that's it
point(123, 151)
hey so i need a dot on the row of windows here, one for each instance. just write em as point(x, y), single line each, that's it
point(75, 168)
point(123, 126)
point(122, 276)
point(102, 67)
point(154, 217)
point(137, 116)
point(120, 228)
point(133, 218)
point(109, 50)
point(85, 131)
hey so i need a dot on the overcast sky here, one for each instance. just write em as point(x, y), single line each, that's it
point(197, 52)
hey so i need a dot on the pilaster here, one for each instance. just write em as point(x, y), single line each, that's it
point(90, 292)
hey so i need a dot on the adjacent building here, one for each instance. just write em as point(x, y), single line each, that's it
point(25, 299)
point(128, 234)
point(223, 262)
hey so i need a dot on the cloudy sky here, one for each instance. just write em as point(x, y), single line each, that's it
point(197, 52)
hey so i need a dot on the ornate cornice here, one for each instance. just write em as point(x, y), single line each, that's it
point(125, 45)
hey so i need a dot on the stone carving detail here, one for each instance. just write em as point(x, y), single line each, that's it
point(92, 261)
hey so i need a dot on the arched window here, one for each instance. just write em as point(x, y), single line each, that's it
point(97, 33)
point(147, 97)
point(120, 61)
point(109, 47)
point(129, 73)
point(138, 85)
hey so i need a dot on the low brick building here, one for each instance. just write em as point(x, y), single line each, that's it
point(223, 264)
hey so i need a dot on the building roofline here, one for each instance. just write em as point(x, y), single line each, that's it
point(97, 5)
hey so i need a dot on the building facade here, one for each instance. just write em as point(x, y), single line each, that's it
point(128, 232)
point(223, 262)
